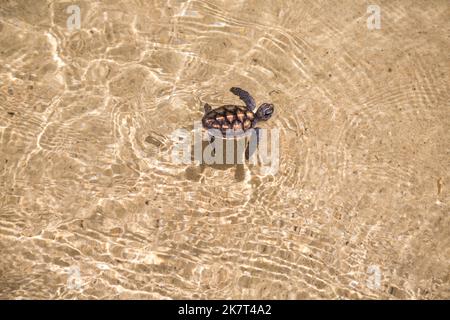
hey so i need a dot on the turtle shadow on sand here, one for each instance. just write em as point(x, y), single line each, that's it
point(195, 172)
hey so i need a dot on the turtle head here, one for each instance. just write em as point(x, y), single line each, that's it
point(265, 111)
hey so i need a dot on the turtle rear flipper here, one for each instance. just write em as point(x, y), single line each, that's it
point(244, 96)
point(207, 107)
point(212, 138)
point(255, 135)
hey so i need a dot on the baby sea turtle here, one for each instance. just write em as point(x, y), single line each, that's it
point(233, 121)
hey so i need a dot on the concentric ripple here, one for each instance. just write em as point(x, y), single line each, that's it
point(92, 204)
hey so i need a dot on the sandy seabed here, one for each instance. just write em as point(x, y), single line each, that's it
point(92, 205)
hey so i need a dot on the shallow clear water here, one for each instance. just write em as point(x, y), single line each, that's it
point(93, 206)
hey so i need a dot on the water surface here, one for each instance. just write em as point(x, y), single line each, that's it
point(92, 205)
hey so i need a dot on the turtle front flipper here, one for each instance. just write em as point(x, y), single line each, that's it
point(244, 96)
point(212, 138)
point(207, 107)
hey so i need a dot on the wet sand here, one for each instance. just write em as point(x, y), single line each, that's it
point(93, 207)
